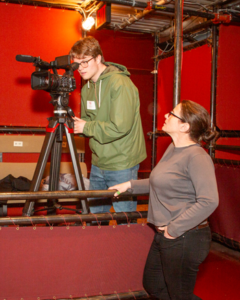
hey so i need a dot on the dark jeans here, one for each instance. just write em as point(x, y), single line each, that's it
point(172, 264)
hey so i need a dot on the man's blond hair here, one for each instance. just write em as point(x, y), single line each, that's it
point(87, 46)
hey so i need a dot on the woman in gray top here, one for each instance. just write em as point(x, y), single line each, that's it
point(183, 193)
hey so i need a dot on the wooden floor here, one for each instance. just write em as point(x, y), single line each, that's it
point(219, 275)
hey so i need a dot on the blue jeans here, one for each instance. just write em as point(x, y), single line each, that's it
point(102, 180)
point(171, 269)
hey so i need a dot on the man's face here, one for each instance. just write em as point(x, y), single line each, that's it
point(89, 67)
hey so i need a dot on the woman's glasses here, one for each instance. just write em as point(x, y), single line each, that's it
point(171, 113)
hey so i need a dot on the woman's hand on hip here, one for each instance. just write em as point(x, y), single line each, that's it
point(167, 235)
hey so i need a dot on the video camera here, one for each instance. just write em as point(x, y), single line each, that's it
point(43, 79)
point(59, 86)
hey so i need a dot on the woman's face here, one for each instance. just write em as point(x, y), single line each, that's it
point(172, 123)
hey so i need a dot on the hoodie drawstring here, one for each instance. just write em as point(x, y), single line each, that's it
point(99, 93)
point(100, 85)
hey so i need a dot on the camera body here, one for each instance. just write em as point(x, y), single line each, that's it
point(43, 79)
point(46, 76)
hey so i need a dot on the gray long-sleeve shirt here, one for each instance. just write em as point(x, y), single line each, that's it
point(183, 189)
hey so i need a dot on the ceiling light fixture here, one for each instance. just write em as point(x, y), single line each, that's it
point(88, 23)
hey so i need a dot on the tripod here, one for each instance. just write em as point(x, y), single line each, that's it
point(61, 121)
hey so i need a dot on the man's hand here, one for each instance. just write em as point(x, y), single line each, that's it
point(78, 125)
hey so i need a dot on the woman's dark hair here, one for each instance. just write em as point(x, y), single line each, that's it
point(199, 120)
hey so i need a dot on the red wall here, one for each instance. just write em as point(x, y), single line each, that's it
point(228, 87)
point(195, 85)
point(225, 220)
point(49, 33)
point(37, 32)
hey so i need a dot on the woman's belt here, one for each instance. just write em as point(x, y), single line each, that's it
point(200, 226)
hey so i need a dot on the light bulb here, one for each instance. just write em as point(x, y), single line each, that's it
point(88, 23)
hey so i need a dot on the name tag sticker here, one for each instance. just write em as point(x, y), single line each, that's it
point(91, 105)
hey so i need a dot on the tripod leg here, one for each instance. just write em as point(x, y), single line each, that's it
point(42, 161)
point(55, 166)
point(76, 165)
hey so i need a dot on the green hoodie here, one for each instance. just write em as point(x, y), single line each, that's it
point(111, 109)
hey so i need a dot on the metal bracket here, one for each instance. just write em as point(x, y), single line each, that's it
point(149, 5)
point(222, 18)
point(81, 157)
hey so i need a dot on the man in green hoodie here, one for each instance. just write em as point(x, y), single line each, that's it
point(110, 117)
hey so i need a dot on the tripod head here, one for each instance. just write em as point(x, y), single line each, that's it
point(46, 78)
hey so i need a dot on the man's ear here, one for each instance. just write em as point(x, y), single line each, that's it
point(98, 59)
point(184, 127)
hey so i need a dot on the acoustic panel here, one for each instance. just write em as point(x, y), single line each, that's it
point(45, 263)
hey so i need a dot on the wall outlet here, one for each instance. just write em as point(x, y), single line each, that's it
point(64, 144)
point(17, 144)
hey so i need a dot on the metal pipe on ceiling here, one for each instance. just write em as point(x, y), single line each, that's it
point(186, 48)
point(135, 30)
point(159, 7)
point(85, 3)
point(140, 15)
point(197, 27)
point(131, 3)
point(229, 3)
point(132, 19)
point(177, 52)
point(189, 12)
point(128, 3)
point(68, 6)
point(167, 34)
